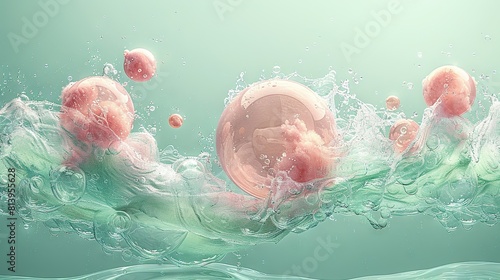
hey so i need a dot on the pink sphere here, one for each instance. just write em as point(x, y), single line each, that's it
point(392, 102)
point(453, 86)
point(139, 65)
point(273, 126)
point(97, 110)
point(175, 120)
point(403, 132)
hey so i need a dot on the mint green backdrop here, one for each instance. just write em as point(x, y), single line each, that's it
point(202, 47)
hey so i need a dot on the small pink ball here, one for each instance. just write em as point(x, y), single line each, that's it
point(139, 64)
point(175, 120)
point(453, 86)
point(403, 132)
point(392, 103)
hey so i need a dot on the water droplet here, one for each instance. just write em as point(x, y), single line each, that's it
point(109, 70)
point(432, 142)
point(127, 255)
point(189, 168)
point(419, 54)
point(120, 222)
point(68, 184)
point(487, 37)
point(276, 69)
point(46, 65)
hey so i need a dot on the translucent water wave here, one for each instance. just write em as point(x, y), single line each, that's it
point(157, 204)
point(216, 271)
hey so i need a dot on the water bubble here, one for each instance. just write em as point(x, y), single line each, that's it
point(46, 65)
point(457, 192)
point(432, 142)
point(68, 184)
point(127, 255)
point(407, 171)
point(114, 148)
point(276, 69)
point(189, 168)
point(70, 78)
point(109, 70)
point(120, 221)
point(3, 179)
point(312, 198)
point(31, 192)
point(487, 37)
point(419, 54)
point(411, 189)
point(432, 160)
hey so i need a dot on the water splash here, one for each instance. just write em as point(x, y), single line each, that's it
point(216, 271)
point(149, 204)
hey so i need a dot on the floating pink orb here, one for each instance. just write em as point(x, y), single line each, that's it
point(392, 102)
point(454, 87)
point(139, 64)
point(403, 132)
point(175, 120)
point(97, 110)
point(273, 126)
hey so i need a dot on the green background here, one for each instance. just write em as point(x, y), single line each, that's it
point(202, 47)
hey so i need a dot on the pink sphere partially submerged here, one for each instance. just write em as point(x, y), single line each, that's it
point(403, 132)
point(455, 88)
point(139, 64)
point(97, 110)
point(273, 126)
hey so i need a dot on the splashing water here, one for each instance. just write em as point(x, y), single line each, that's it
point(456, 271)
point(154, 204)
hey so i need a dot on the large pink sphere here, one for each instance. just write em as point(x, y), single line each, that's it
point(97, 110)
point(273, 126)
point(455, 87)
point(139, 64)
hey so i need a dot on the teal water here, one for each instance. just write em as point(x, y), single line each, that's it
point(450, 179)
point(222, 271)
